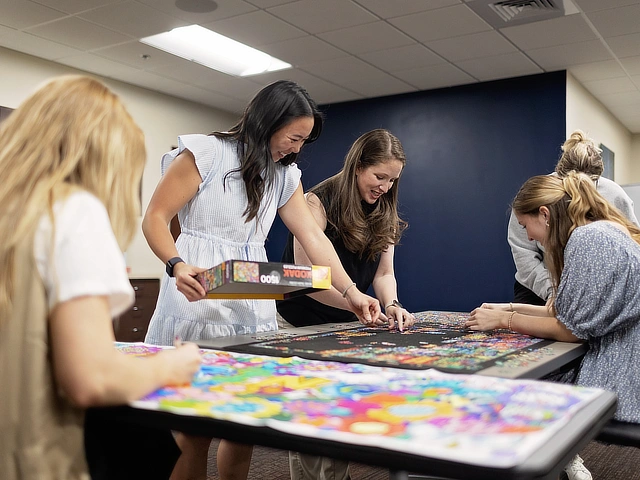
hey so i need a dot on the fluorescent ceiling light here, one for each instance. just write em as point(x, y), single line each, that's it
point(216, 51)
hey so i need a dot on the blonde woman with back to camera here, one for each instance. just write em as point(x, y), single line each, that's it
point(70, 163)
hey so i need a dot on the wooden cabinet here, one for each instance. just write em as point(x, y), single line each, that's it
point(132, 325)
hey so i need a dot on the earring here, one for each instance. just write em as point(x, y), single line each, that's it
point(547, 223)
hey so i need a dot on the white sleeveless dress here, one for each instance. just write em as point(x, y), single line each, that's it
point(213, 230)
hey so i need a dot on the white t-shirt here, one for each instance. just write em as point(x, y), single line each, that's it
point(86, 258)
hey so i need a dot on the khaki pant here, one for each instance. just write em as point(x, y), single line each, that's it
point(303, 466)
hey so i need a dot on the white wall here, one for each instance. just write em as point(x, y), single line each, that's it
point(586, 113)
point(161, 117)
point(635, 156)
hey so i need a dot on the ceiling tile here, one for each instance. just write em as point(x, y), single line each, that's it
point(188, 72)
point(255, 29)
point(597, 70)
point(359, 77)
point(78, 33)
point(303, 50)
point(500, 66)
point(94, 64)
point(306, 79)
point(202, 96)
point(225, 9)
point(7, 31)
point(269, 3)
point(181, 90)
point(335, 94)
point(625, 45)
point(557, 31)
point(476, 45)
point(316, 17)
point(617, 21)
point(632, 124)
point(344, 69)
point(626, 111)
point(631, 65)
point(201, 76)
point(36, 46)
point(402, 58)
point(442, 23)
point(375, 83)
point(610, 85)
point(593, 5)
point(319, 89)
point(75, 6)
point(561, 56)
point(629, 120)
point(435, 76)
point(139, 55)
point(620, 99)
point(26, 14)
point(367, 38)
point(387, 9)
point(133, 19)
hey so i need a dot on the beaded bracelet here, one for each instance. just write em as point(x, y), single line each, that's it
point(344, 294)
point(510, 318)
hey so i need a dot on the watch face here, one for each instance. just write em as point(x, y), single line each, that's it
point(171, 263)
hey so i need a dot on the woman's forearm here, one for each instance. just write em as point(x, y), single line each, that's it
point(540, 327)
point(159, 237)
point(534, 310)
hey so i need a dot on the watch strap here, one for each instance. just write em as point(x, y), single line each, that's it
point(394, 303)
point(172, 262)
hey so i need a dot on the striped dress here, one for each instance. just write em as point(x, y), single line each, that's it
point(213, 230)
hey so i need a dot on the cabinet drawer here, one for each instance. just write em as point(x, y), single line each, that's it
point(131, 328)
point(132, 325)
point(146, 288)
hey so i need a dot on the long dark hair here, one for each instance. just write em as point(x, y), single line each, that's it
point(272, 108)
point(372, 234)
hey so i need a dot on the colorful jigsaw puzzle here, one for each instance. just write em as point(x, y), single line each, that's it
point(438, 340)
point(470, 419)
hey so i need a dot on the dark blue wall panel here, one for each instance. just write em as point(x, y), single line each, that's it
point(468, 150)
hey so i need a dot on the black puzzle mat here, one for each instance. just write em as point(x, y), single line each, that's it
point(438, 340)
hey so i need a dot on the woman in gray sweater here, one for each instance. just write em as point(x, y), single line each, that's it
point(532, 281)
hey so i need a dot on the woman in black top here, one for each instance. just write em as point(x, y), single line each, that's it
point(357, 209)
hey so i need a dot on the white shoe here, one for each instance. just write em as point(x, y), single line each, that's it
point(575, 469)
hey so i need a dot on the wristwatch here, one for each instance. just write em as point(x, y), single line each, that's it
point(172, 262)
point(394, 303)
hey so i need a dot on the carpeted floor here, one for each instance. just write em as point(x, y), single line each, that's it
point(606, 462)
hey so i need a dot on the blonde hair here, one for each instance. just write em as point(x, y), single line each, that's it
point(71, 133)
point(572, 201)
point(582, 154)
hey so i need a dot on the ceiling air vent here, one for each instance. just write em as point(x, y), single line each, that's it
point(507, 13)
point(513, 9)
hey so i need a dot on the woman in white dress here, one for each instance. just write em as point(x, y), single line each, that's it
point(226, 189)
